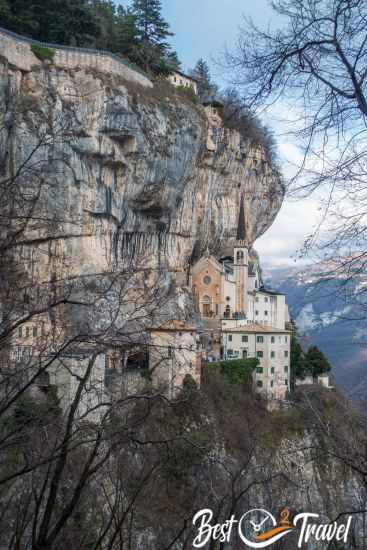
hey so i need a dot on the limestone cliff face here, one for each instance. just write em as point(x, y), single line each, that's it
point(127, 170)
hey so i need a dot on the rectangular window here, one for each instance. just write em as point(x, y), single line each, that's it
point(260, 354)
point(27, 332)
point(229, 351)
point(286, 339)
point(272, 370)
point(35, 332)
point(244, 338)
point(271, 383)
point(272, 354)
point(259, 370)
point(266, 299)
point(273, 339)
point(286, 368)
point(265, 312)
point(286, 353)
point(230, 338)
point(260, 339)
point(259, 383)
point(286, 382)
point(256, 312)
point(20, 332)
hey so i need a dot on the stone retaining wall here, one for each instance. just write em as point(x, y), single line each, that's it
point(17, 50)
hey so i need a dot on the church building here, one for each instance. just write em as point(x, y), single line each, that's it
point(241, 317)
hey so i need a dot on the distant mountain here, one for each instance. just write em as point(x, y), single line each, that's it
point(330, 310)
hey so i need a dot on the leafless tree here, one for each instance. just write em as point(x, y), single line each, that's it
point(64, 434)
point(313, 60)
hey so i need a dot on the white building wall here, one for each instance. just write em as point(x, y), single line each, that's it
point(306, 381)
point(273, 352)
point(252, 281)
point(228, 291)
point(251, 308)
point(178, 79)
point(268, 310)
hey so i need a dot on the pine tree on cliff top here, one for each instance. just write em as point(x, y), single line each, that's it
point(152, 27)
point(104, 12)
point(126, 33)
point(5, 12)
point(298, 362)
point(153, 32)
point(206, 88)
point(316, 361)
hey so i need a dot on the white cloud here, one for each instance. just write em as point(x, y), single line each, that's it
point(282, 242)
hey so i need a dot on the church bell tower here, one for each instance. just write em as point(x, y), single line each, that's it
point(240, 263)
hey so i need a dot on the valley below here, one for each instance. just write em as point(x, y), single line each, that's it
point(330, 311)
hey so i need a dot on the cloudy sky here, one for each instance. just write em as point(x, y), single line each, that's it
point(203, 28)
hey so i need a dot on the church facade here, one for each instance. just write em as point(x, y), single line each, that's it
point(243, 318)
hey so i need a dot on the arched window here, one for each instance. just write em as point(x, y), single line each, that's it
point(206, 302)
point(239, 256)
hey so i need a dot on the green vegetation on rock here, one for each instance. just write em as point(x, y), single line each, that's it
point(238, 371)
point(316, 362)
point(303, 363)
point(43, 53)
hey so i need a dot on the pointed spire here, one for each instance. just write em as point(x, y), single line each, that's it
point(241, 228)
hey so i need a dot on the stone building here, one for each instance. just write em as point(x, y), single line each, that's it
point(309, 380)
point(36, 348)
point(178, 79)
point(65, 374)
point(174, 353)
point(242, 316)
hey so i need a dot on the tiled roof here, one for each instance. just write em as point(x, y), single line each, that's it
point(255, 328)
point(185, 75)
point(272, 292)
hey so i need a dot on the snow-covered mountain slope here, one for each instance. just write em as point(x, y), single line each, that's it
point(330, 309)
